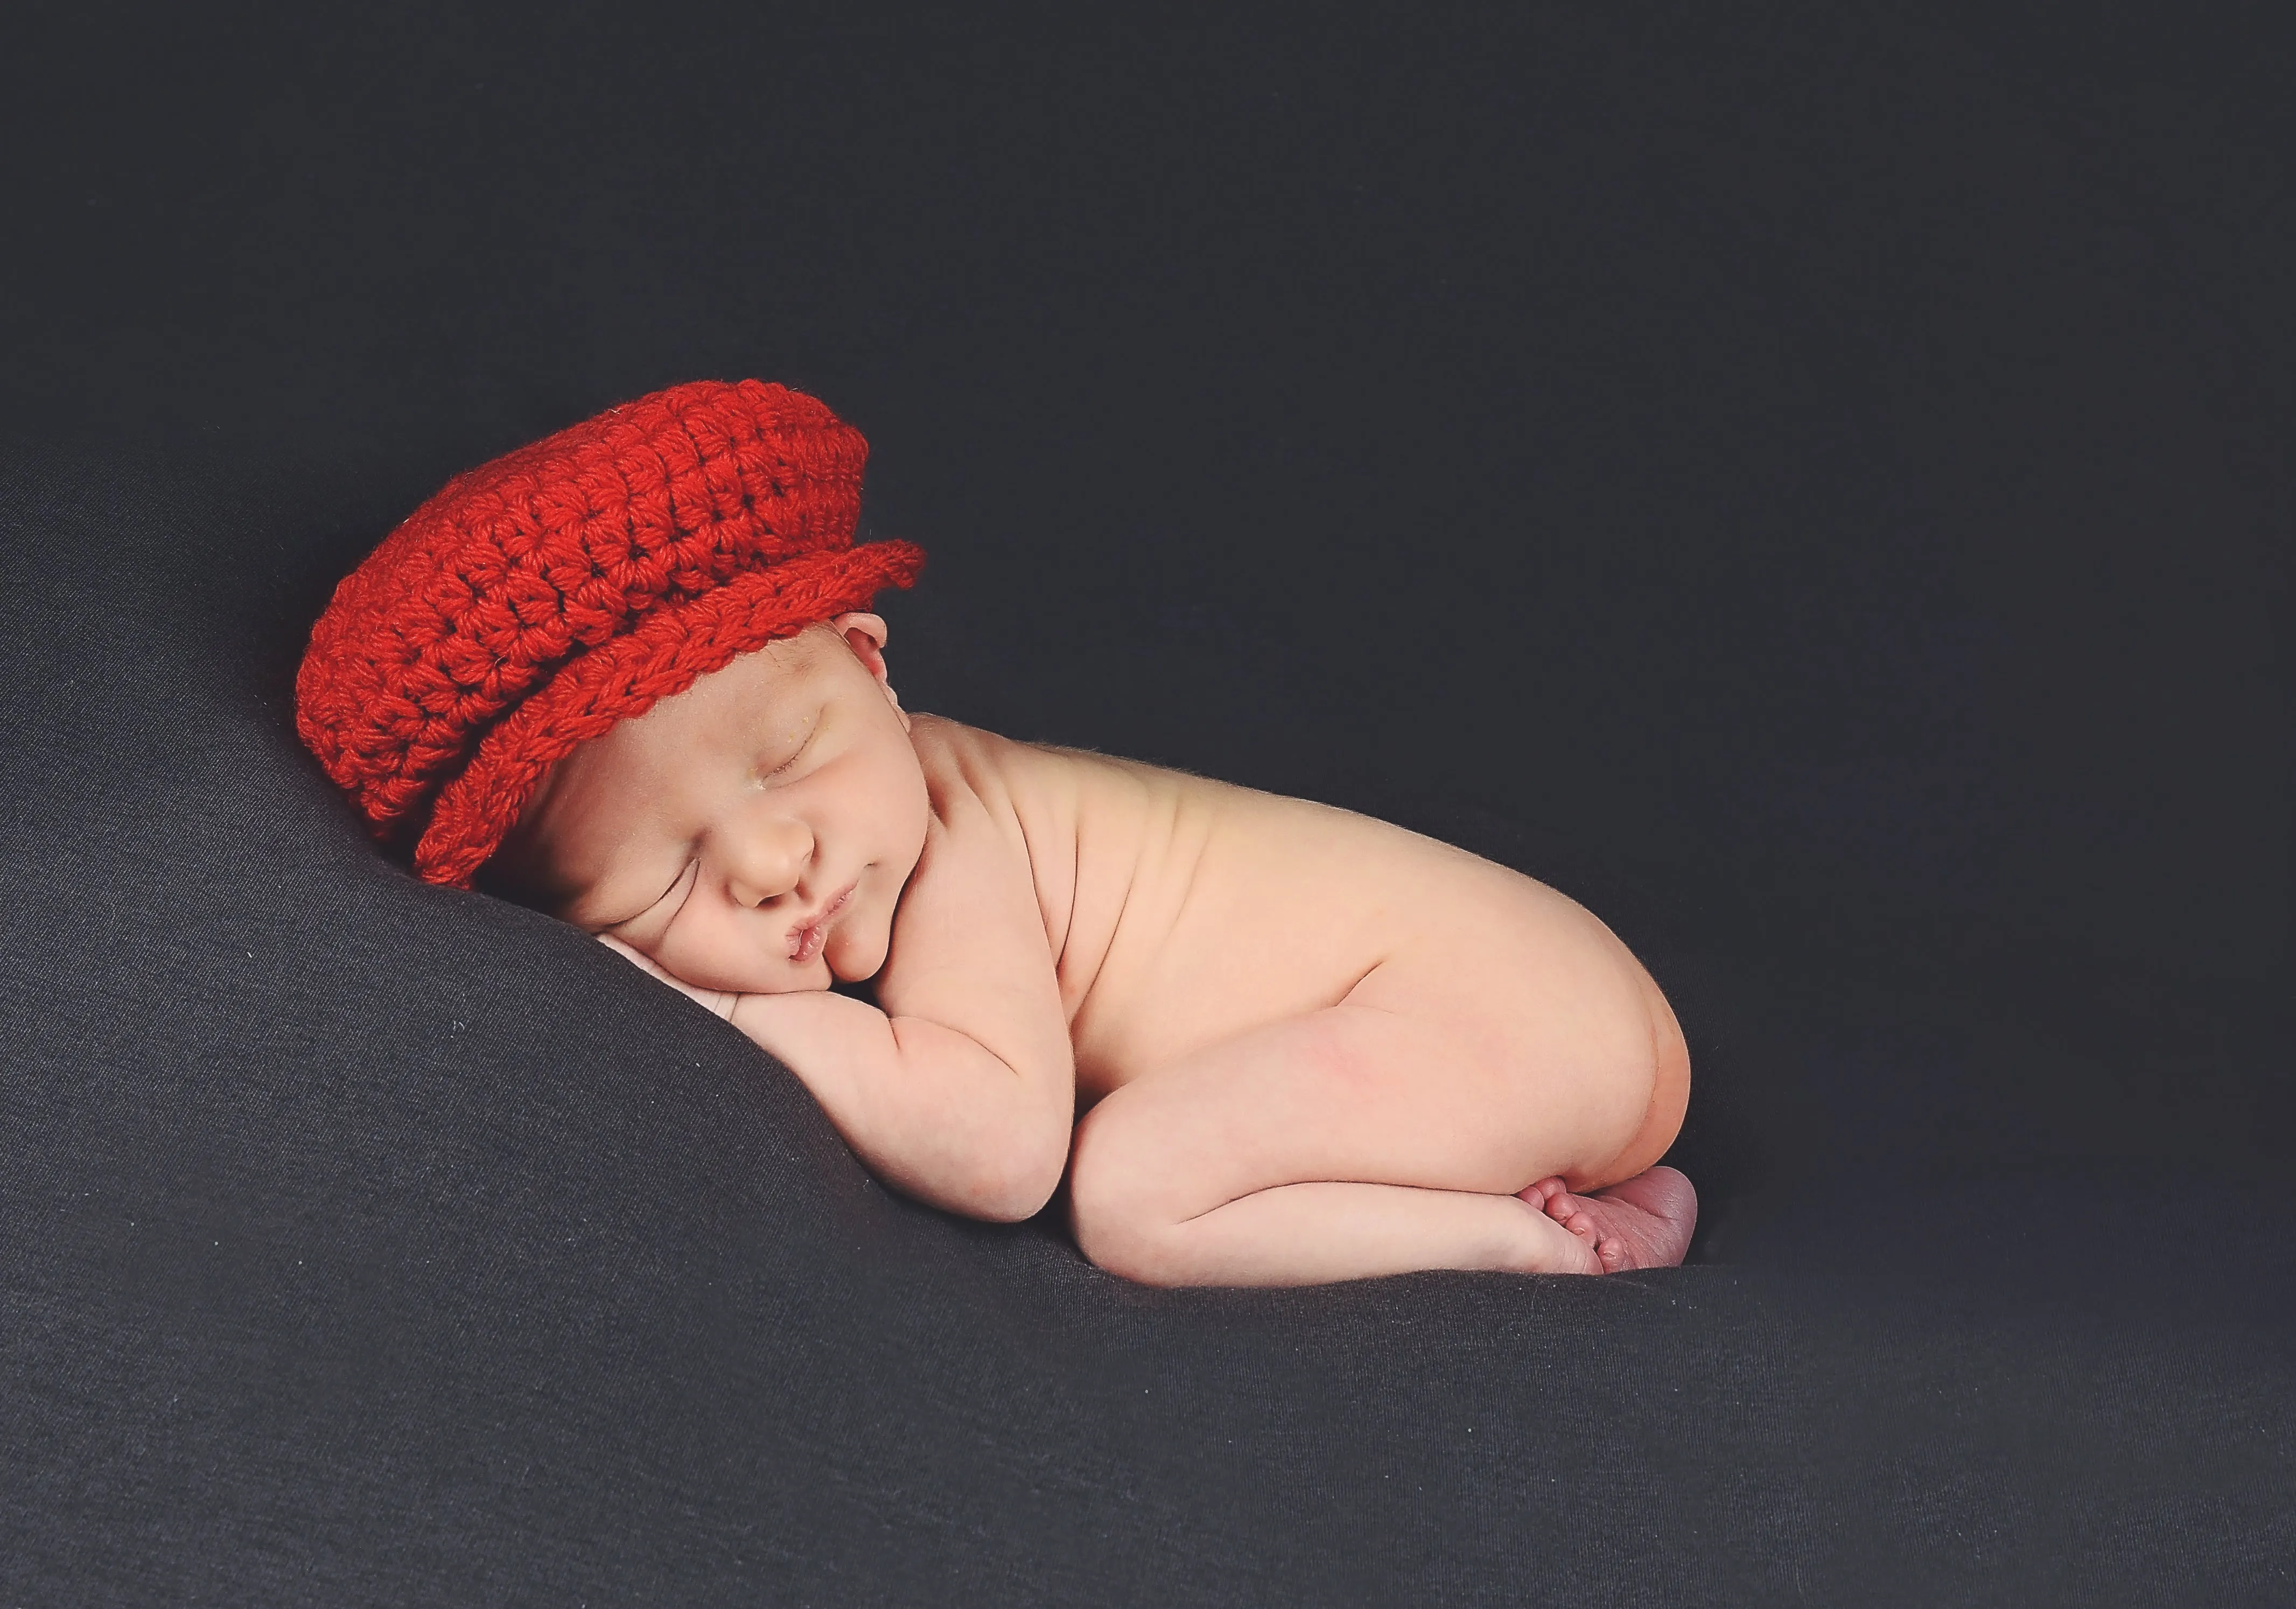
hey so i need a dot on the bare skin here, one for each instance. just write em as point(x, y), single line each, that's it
point(1265, 1041)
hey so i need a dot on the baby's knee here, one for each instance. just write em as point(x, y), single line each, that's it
point(1119, 1240)
point(1118, 1223)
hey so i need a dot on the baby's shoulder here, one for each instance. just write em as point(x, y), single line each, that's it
point(1084, 819)
point(964, 766)
point(1056, 814)
point(1044, 786)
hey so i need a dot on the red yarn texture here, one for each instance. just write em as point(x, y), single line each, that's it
point(538, 599)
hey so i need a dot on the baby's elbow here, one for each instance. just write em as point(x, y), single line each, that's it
point(1019, 1180)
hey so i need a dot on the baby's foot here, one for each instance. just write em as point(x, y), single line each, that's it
point(1643, 1223)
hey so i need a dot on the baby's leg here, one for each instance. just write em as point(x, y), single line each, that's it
point(1342, 1144)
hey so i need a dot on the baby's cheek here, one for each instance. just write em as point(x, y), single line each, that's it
point(710, 959)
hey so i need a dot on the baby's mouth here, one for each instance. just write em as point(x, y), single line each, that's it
point(805, 939)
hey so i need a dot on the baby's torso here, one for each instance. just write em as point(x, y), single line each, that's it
point(1181, 911)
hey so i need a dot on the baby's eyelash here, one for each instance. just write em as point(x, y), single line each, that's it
point(795, 755)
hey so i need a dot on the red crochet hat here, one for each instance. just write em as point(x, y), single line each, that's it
point(538, 599)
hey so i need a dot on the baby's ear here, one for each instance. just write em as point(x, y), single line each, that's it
point(865, 634)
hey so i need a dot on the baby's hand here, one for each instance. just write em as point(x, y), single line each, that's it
point(718, 1000)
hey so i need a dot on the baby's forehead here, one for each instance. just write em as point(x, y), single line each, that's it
point(785, 671)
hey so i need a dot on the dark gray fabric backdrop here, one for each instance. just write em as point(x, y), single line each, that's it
point(1845, 451)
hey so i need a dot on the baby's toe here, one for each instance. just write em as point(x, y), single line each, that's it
point(1544, 1194)
point(1613, 1253)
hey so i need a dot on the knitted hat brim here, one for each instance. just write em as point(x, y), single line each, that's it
point(664, 655)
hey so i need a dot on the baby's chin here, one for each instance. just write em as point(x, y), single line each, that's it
point(852, 956)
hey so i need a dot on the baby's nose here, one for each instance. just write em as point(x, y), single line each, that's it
point(765, 859)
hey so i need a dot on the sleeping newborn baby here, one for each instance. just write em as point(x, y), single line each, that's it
point(627, 676)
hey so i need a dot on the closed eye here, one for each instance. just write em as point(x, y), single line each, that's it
point(795, 754)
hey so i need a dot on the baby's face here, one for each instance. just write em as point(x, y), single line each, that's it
point(753, 833)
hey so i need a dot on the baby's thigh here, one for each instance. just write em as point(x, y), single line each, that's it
point(1557, 1027)
point(1352, 1093)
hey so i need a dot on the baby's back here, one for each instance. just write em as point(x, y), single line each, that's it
point(1182, 911)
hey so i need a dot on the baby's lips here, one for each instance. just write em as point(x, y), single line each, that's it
point(810, 938)
point(806, 942)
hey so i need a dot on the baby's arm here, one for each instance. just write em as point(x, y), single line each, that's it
point(965, 1094)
